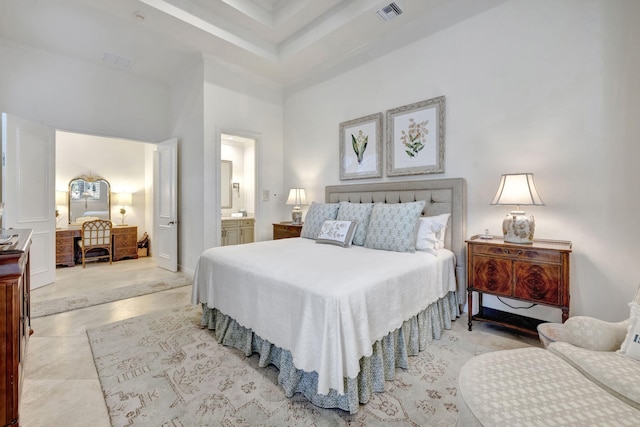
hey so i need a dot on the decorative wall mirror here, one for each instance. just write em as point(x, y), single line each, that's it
point(226, 174)
point(89, 195)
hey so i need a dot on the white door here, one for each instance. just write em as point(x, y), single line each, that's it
point(28, 190)
point(165, 204)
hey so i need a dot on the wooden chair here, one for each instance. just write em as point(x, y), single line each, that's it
point(96, 234)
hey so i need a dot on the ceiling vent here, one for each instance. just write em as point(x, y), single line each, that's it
point(117, 60)
point(389, 12)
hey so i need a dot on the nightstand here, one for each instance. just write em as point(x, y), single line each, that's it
point(536, 273)
point(286, 230)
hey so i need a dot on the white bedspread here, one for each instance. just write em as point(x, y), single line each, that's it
point(326, 304)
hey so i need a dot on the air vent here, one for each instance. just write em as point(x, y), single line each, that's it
point(117, 60)
point(389, 12)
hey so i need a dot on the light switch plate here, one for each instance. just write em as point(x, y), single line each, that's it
point(265, 195)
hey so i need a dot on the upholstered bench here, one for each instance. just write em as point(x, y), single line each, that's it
point(534, 387)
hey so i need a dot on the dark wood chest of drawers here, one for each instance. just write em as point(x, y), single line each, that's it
point(125, 242)
point(286, 230)
point(536, 273)
point(15, 323)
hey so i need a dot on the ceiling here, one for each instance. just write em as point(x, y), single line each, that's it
point(284, 41)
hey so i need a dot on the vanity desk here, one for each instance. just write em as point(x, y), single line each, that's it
point(124, 241)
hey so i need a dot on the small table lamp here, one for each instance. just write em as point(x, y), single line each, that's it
point(297, 198)
point(61, 200)
point(519, 190)
point(124, 199)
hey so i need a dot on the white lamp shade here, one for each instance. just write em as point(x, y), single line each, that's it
point(61, 197)
point(124, 199)
point(297, 197)
point(517, 189)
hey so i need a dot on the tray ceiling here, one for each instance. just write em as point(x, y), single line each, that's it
point(285, 41)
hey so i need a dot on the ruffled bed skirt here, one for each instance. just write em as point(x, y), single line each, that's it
point(390, 352)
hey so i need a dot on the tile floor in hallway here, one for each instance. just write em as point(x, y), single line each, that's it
point(61, 386)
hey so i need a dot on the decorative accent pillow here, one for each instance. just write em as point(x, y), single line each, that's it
point(431, 230)
point(316, 215)
point(393, 226)
point(631, 345)
point(360, 212)
point(337, 233)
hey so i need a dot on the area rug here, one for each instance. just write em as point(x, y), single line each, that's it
point(60, 305)
point(162, 369)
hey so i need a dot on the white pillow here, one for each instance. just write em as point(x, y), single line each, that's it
point(631, 344)
point(337, 233)
point(431, 231)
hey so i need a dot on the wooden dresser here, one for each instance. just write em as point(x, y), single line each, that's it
point(286, 230)
point(15, 322)
point(125, 243)
point(535, 273)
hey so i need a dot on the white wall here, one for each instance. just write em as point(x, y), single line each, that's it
point(121, 162)
point(545, 87)
point(212, 99)
point(81, 97)
point(239, 103)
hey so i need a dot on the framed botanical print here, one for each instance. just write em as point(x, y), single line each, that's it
point(415, 138)
point(361, 148)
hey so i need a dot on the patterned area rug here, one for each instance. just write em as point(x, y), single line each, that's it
point(162, 369)
point(60, 305)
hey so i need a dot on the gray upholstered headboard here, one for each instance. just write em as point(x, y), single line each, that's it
point(441, 195)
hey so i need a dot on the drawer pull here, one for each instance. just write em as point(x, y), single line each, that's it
point(518, 252)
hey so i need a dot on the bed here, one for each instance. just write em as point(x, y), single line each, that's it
point(337, 321)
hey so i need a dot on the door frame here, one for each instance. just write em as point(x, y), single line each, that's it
point(213, 223)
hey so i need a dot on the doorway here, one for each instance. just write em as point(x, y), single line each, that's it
point(126, 165)
point(238, 183)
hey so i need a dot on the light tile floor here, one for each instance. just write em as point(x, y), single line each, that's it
point(61, 386)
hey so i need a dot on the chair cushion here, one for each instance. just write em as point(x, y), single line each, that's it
point(533, 387)
point(614, 373)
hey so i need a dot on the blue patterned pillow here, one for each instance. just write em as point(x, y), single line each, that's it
point(360, 212)
point(316, 215)
point(393, 226)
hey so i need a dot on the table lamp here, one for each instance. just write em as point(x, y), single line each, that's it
point(124, 199)
point(517, 189)
point(297, 198)
point(61, 200)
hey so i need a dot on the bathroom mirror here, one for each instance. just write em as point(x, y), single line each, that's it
point(89, 196)
point(226, 174)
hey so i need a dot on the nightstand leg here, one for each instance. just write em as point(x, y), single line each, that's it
point(470, 306)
